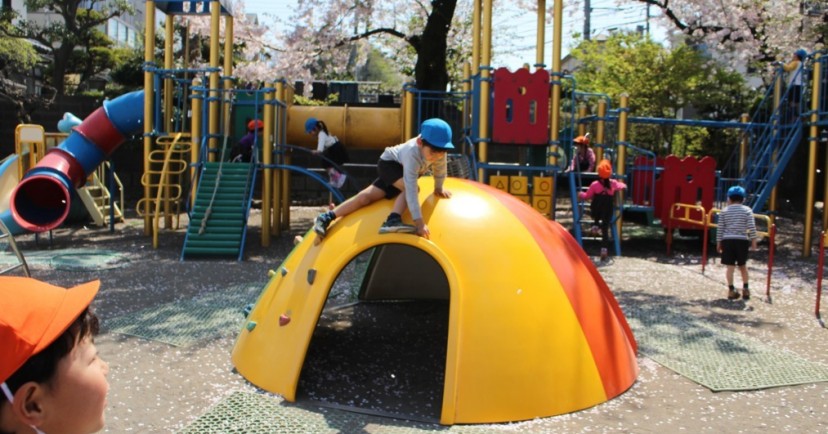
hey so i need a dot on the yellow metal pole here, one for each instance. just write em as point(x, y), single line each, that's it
point(813, 137)
point(276, 218)
point(195, 149)
point(168, 65)
point(743, 145)
point(408, 115)
point(213, 121)
point(485, 85)
point(168, 111)
point(601, 129)
point(582, 112)
point(267, 159)
point(228, 68)
point(149, 91)
point(476, 16)
point(541, 34)
point(285, 223)
point(623, 109)
point(555, 112)
point(467, 103)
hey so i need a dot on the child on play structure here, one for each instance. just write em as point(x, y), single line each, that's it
point(601, 193)
point(399, 167)
point(51, 377)
point(736, 231)
point(243, 152)
point(329, 147)
point(584, 158)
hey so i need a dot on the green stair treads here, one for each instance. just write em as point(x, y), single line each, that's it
point(251, 413)
point(186, 322)
point(69, 259)
point(714, 357)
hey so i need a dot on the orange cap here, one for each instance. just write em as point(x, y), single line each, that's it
point(255, 124)
point(604, 169)
point(581, 140)
point(33, 315)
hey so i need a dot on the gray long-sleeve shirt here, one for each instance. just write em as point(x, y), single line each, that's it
point(736, 223)
point(414, 165)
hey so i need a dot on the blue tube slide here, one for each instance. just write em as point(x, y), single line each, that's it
point(42, 199)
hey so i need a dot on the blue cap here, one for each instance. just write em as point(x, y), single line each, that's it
point(801, 53)
point(437, 133)
point(735, 191)
point(311, 124)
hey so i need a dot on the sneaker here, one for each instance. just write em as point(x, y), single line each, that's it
point(333, 179)
point(732, 294)
point(396, 226)
point(341, 180)
point(604, 253)
point(321, 223)
point(595, 230)
point(745, 294)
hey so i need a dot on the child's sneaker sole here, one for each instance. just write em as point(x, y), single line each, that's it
point(405, 229)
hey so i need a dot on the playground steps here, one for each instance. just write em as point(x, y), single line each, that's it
point(766, 166)
point(225, 201)
point(97, 200)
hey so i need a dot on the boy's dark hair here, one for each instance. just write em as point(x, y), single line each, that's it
point(433, 148)
point(736, 199)
point(42, 366)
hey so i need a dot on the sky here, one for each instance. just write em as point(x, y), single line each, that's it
point(606, 15)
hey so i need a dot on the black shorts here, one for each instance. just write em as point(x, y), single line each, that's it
point(336, 153)
point(735, 252)
point(389, 173)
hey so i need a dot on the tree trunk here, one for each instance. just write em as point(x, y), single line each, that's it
point(430, 72)
point(59, 68)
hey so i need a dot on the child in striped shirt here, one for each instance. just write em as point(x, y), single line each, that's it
point(736, 232)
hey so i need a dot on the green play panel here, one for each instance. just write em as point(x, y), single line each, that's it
point(714, 357)
point(185, 322)
point(252, 413)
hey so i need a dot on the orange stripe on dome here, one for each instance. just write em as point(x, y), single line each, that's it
point(607, 340)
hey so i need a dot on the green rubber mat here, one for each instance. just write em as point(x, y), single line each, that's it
point(69, 259)
point(251, 413)
point(186, 322)
point(714, 357)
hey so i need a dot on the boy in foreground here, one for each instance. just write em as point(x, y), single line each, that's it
point(51, 377)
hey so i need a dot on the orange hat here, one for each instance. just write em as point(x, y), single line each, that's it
point(604, 169)
point(255, 124)
point(33, 315)
point(582, 140)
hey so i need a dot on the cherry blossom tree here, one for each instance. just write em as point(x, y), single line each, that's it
point(422, 38)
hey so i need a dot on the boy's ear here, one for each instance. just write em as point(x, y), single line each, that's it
point(420, 141)
point(28, 403)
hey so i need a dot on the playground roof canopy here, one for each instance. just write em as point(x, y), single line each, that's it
point(181, 7)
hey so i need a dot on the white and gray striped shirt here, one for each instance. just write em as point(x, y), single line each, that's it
point(736, 223)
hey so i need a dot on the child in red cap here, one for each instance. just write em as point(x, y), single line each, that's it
point(601, 192)
point(51, 377)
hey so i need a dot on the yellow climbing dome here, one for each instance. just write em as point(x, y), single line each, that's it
point(534, 330)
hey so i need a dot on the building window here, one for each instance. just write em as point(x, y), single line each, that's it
point(7, 4)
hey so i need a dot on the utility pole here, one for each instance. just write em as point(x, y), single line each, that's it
point(587, 13)
point(648, 19)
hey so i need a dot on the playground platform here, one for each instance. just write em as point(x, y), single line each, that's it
point(169, 327)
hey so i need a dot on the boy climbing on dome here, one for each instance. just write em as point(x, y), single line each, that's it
point(399, 167)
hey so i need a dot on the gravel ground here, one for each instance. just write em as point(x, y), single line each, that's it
point(157, 388)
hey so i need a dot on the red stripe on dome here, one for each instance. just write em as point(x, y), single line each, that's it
point(607, 340)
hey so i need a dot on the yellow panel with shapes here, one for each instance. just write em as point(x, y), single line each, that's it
point(542, 203)
point(518, 185)
point(499, 182)
point(542, 185)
